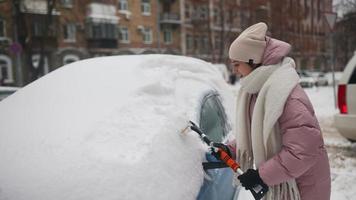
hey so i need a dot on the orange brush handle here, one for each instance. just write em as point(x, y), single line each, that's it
point(228, 160)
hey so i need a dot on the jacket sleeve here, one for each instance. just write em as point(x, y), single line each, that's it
point(301, 142)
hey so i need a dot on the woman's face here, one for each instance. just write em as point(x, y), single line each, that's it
point(241, 69)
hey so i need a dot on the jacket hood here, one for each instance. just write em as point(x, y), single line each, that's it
point(275, 51)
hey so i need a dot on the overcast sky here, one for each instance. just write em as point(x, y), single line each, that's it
point(341, 6)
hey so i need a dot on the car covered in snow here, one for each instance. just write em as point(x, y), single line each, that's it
point(110, 128)
point(223, 69)
point(345, 121)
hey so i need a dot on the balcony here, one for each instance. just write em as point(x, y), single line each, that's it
point(101, 35)
point(102, 13)
point(101, 26)
point(170, 18)
point(36, 7)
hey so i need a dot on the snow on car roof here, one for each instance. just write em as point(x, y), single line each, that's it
point(106, 128)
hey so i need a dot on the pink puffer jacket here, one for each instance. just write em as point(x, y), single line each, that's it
point(303, 155)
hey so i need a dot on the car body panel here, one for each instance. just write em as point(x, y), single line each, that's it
point(345, 123)
point(350, 66)
point(351, 98)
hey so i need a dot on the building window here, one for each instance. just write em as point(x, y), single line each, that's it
point(145, 7)
point(124, 35)
point(203, 11)
point(69, 32)
point(123, 5)
point(147, 36)
point(204, 47)
point(70, 59)
point(189, 42)
point(319, 9)
point(37, 29)
point(217, 16)
point(2, 28)
point(187, 11)
point(217, 42)
point(167, 36)
point(67, 3)
point(102, 31)
point(196, 42)
point(5, 69)
point(306, 8)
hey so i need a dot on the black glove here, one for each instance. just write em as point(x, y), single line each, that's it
point(224, 147)
point(250, 179)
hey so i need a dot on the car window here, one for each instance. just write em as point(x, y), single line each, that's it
point(353, 77)
point(213, 118)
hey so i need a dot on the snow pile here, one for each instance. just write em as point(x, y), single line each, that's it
point(343, 171)
point(107, 128)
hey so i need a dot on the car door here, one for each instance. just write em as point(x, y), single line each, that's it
point(213, 121)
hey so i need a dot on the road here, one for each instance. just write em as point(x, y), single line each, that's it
point(342, 157)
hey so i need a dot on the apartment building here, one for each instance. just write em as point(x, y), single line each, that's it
point(208, 28)
point(78, 29)
point(302, 24)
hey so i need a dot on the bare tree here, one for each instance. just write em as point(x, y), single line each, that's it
point(39, 71)
point(345, 32)
point(228, 20)
point(31, 42)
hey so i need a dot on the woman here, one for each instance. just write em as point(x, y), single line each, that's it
point(277, 130)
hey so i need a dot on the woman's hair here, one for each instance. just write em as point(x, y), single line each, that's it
point(253, 65)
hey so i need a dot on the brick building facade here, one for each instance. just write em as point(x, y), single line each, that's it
point(80, 29)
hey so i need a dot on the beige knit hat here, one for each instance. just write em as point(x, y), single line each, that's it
point(250, 44)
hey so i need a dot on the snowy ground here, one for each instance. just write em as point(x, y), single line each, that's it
point(342, 153)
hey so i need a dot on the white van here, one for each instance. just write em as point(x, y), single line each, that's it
point(345, 121)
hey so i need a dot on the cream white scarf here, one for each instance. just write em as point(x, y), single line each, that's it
point(273, 84)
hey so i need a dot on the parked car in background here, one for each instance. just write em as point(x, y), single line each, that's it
point(7, 91)
point(110, 128)
point(306, 80)
point(345, 121)
point(321, 79)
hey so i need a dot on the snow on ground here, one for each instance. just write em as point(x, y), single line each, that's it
point(341, 152)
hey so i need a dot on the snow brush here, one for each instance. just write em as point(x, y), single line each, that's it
point(258, 191)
